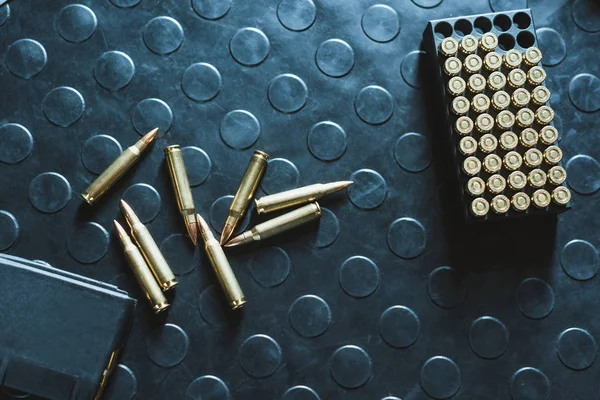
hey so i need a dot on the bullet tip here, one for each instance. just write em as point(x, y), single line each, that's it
point(150, 136)
point(236, 241)
point(128, 212)
point(333, 187)
point(203, 228)
point(226, 234)
point(192, 228)
point(120, 230)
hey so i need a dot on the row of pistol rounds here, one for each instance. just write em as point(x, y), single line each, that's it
point(512, 160)
point(496, 81)
point(505, 120)
point(487, 44)
point(149, 266)
point(520, 201)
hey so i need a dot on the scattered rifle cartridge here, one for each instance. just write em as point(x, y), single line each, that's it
point(142, 271)
point(243, 196)
point(183, 193)
point(117, 168)
point(220, 264)
point(278, 225)
point(156, 261)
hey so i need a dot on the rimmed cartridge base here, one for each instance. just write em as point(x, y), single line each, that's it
point(237, 304)
point(169, 285)
point(159, 308)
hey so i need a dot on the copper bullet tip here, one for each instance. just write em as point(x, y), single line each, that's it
point(120, 230)
point(192, 228)
point(239, 240)
point(227, 232)
point(150, 136)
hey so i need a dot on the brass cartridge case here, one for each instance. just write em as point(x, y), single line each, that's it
point(488, 143)
point(475, 186)
point(449, 47)
point(460, 105)
point(496, 81)
point(532, 56)
point(476, 83)
point(520, 201)
point(492, 61)
point(508, 141)
point(500, 100)
point(521, 98)
point(484, 123)
point(452, 66)
point(505, 120)
point(468, 44)
point(517, 180)
point(480, 207)
point(512, 59)
point(463, 125)
point(467, 145)
point(529, 137)
point(243, 197)
point(536, 76)
point(181, 186)
point(471, 166)
point(117, 168)
point(537, 178)
point(540, 95)
point(544, 115)
point(218, 260)
point(496, 184)
point(278, 225)
point(533, 158)
point(299, 196)
point(553, 155)
point(473, 64)
point(548, 135)
point(561, 196)
point(516, 78)
point(525, 117)
point(481, 103)
point(557, 175)
point(492, 163)
point(541, 198)
point(512, 161)
point(500, 204)
point(488, 42)
point(456, 86)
